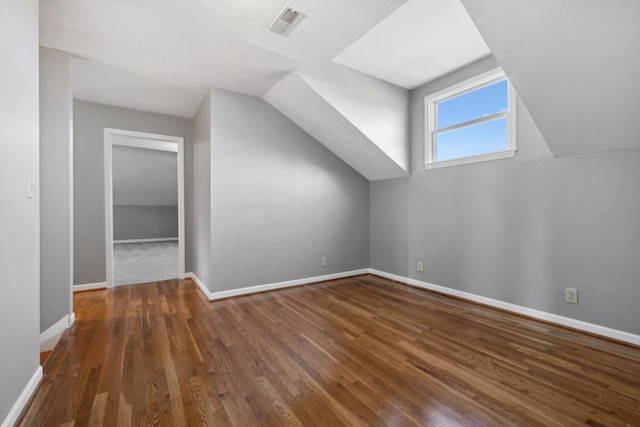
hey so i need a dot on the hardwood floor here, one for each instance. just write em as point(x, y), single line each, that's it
point(44, 356)
point(361, 351)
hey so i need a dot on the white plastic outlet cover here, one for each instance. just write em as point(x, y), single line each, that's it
point(571, 295)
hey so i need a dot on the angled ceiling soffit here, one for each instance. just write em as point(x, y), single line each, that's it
point(362, 120)
point(574, 64)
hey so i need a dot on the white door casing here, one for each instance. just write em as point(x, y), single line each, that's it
point(153, 142)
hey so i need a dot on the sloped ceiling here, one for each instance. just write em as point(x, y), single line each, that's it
point(574, 63)
point(378, 109)
point(419, 42)
point(191, 46)
point(96, 82)
point(334, 122)
point(200, 44)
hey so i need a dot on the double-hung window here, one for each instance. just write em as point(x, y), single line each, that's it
point(471, 122)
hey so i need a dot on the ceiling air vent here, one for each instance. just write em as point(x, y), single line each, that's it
point(286, 21)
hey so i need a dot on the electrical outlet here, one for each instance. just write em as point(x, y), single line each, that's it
point(323, 263)
point(156, 232)
point(421, 266)
point(571, 295)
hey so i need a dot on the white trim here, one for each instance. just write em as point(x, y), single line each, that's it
point(506, 154)
point(50, 336)
point(166, 239)
point(514, 308)
point(72, 317)
point(201, 285)
point(149, 141)
point(271, 286)
point(89, 286)
point(152, 144)
point(23, 399)
point(182, 237)
point(476, 82)
point(431, 119)
point(108, 205)
point(526, 311)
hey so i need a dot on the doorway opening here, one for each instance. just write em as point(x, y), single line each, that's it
point(144, 207)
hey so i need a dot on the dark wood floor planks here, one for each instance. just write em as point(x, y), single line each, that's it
point(362, 351)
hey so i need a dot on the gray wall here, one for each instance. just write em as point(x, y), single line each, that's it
point(279, 199)
point(19, 217)
point(145, 193)
point(517, 230)
point(200, 237)
point(131, 222)
point(144, 177)
point(89, 121)
point(56, 197)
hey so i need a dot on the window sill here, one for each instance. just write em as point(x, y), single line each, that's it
point(506, 154)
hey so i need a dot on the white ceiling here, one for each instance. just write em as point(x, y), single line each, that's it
point(96, 82)
point(200, 44)
point(163, 55)
point(419, 42)
point(298, 98)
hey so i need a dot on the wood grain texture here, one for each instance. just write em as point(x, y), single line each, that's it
point(361, 351)
point(43, 357)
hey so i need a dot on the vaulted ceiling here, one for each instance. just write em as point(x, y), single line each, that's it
point(350, 62)
point(164, 55)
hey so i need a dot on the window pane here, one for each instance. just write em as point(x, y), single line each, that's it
point(481, 138)
point(473, 105)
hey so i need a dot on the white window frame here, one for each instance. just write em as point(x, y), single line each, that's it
point(431, 120)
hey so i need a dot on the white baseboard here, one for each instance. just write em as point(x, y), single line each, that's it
point(526, 311)
point(271, 286)
point(50, 337)
point(90, 286)
point(23, 399)
point(201, 285)
point(514, 308)
point(159, 239)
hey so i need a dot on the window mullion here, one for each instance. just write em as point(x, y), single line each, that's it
point(472, 122)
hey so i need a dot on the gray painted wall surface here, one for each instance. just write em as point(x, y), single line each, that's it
point(19, 216)
point(145, 193)
point(56, 198)
point(518, 230)
point(144, 177)
point(140, 221)
point(200, 241)
point(88, 129)
point(279, 199)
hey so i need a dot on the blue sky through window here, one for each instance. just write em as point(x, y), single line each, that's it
point(481, 138)
point(473, 105)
